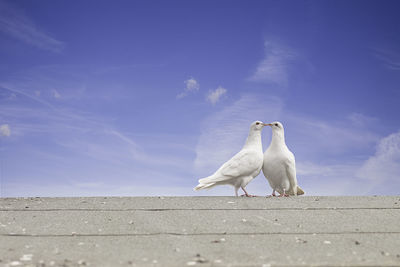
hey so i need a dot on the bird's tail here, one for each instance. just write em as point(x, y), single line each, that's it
point(299, 191)
point(204, 183)
point(203, 186)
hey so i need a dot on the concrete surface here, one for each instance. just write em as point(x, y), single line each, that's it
point(200, 231)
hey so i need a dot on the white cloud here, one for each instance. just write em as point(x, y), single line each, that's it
point(5, 130)
point(16, 24)
point(55, 94)
point(214, 96)
point(191, 86)
point(274, 68)
point(384, 166)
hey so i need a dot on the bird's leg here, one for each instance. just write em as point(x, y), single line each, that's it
point(273, 193)
point(245, 193)
point(236, 191)
point(284, 194)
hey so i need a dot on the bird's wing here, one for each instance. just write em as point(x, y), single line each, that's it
point(242, 164)
point(290, 166)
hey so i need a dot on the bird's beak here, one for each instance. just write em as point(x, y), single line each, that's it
point(267, 124)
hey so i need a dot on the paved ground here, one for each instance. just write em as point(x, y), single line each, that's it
point(200, 231)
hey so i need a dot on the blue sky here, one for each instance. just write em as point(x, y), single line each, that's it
point(146, 97)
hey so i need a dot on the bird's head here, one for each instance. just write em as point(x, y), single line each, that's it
point(276, 126)
point(257, 126)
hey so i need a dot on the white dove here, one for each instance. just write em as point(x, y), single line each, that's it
point(241, 168)
point(279, 164)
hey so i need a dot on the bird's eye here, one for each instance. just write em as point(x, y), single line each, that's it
point(257, 123)
point(276, 124)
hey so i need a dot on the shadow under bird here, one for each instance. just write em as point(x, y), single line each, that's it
point(279, 164)
point(241, 168)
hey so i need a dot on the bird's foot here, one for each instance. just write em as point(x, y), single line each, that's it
point(273, 195)
point(283, 195)
point(247, 195)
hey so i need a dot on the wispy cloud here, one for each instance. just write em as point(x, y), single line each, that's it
point(191, 86)
point(383, 168)
point(72, 143)
point(361, 120)
point(389, 57)
point(215, 95)
point(5, 130)
point(274, 68)
point(35, 98)
point(15, 23)
point(56, 94)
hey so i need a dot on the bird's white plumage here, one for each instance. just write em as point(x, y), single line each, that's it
point(279, 166)
point(241, 168)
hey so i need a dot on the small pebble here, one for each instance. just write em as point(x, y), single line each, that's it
point(357, 243)
point(385, 253)
point(191, 263)
point(82, 262)
point(327, 242)
point(26, 257)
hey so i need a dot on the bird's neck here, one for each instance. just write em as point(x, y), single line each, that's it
point(253, 140)
point(278, 140)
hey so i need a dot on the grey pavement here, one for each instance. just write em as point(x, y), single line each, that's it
point(200, 231)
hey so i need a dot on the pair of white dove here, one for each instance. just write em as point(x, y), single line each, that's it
point(277, 163)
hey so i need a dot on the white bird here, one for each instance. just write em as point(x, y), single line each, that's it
point(241, 168)
point(279, 164)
